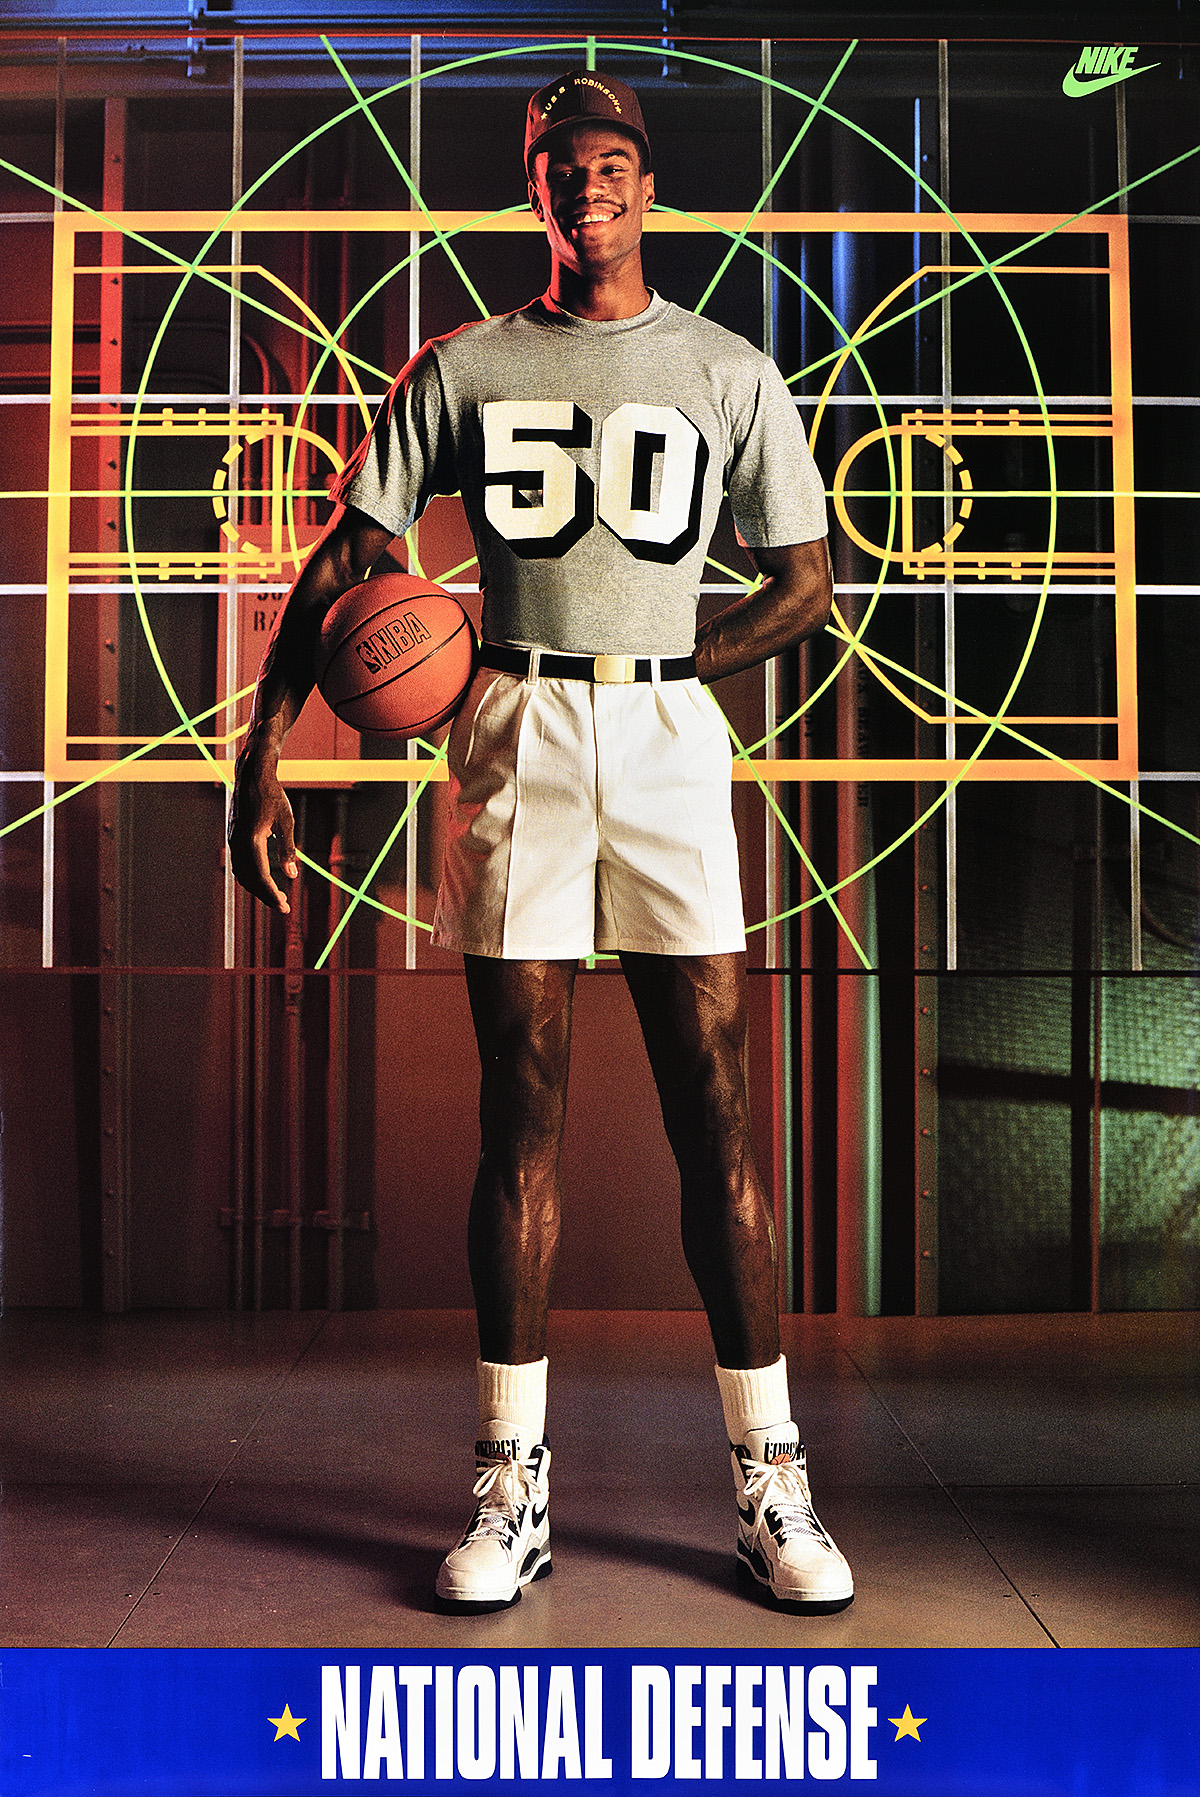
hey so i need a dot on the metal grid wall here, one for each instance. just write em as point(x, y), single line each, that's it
point(786, 883)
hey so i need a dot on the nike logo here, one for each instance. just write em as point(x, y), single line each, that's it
point(1102, 65)
point(537, 1517)
point(745, 1511)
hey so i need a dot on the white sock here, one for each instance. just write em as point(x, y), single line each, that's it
point(514, 1394)
point(754, 1398)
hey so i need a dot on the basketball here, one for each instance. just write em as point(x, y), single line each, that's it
point(396, 655)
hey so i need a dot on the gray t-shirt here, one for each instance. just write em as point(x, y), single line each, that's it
point(591, 459)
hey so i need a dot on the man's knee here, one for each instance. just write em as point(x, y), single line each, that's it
point(522, 1014)
point(704, 1071)
point(522, 1099)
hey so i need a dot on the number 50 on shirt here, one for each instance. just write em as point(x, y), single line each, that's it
point(650, 483)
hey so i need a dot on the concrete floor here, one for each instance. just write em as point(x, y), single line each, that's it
point(198, 1479)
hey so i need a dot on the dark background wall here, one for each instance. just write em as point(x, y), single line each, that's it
point(155, 1102)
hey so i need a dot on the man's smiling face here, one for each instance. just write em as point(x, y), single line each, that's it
point(589, 192)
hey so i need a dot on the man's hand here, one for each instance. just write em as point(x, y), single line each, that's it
point(260, 810)
point(793, 603)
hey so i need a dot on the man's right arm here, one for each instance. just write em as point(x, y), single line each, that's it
point(260, 808)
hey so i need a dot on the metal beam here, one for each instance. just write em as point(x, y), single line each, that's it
point(111, 800)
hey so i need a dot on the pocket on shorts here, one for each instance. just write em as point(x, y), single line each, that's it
point(463, 741)
point(697, 720)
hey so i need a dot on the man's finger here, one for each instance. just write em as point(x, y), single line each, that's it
point(285, 836)
point(270, 893)
point(252, 871)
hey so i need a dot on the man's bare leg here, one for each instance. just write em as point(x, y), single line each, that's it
point(522, 1015)
point(692, 1010)
point(693, 1016)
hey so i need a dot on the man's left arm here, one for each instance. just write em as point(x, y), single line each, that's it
point(792, 603)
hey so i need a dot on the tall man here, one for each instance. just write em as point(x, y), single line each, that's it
point(591, 435)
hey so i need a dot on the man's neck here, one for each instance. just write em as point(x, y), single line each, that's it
point(599, 297)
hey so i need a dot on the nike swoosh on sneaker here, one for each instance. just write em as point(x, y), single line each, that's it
point(537, 1516)
point(746, 1512)
point(1077, 86)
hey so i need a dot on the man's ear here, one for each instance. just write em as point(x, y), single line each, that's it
point(535, 203)
point(647, 192)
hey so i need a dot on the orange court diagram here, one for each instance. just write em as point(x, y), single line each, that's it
point(256, 451)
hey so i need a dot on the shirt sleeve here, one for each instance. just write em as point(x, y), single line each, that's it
point(775, 490)
point(408, 455)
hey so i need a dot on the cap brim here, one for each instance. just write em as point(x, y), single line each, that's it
point(547, 137)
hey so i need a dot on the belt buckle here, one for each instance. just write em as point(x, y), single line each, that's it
point(618, 670)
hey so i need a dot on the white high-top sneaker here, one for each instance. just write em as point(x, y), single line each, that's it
point(507, 1541)
point(780, 1541)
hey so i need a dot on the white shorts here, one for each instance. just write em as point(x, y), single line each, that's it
point(589, 817)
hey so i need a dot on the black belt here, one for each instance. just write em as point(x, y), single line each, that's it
point(604, 670)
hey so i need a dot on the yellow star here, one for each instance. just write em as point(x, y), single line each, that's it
point(287, 1724)
point(908, 1724)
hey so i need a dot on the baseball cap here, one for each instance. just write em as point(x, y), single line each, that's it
point(583, 97)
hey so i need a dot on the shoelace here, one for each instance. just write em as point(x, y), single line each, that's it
point(500, 1488)
point(784, 1489)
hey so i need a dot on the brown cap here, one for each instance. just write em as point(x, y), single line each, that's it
point(581, 98)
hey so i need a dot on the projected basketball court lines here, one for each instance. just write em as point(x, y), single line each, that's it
point(256, 477)
point(263, 541)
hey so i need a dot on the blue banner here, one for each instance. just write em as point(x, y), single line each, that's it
point(296, 1722)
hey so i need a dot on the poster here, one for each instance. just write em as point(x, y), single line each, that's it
point(971, 262)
